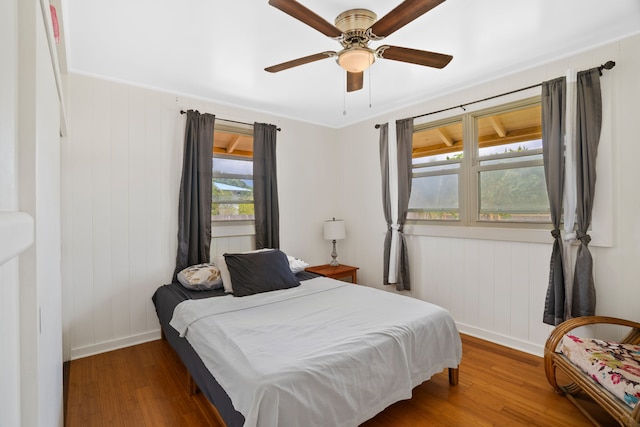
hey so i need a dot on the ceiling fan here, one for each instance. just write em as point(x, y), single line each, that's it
point(354, 29)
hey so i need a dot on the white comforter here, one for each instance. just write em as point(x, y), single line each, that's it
point(325, 353)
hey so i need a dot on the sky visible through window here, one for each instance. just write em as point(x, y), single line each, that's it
point(233, 167)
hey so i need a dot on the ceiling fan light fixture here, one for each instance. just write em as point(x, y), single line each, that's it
point(354, 29)
point(356, 59)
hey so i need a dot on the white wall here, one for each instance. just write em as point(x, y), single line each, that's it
point(9, 281)
point(494, 286)
point(120, 181)
point(31, 359)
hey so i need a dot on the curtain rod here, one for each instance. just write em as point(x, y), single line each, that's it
point(606, 66)
point(227, 120)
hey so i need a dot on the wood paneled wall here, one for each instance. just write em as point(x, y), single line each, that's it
point(220, 245)
point(494, 289)
point(120, 182)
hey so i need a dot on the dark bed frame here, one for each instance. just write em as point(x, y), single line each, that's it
point(165, 299)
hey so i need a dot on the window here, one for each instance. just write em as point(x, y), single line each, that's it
point(437, 159)
point(232, 166)
point(481, 168)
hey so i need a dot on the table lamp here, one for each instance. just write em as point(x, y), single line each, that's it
point(334, 230)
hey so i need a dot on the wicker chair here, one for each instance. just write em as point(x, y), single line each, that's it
point(554, 361)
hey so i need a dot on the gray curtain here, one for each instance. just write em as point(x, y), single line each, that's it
point(386, 198)
point(404, 137)
point(404, 131)
point(265, 186)
point(588, 126)
point(194, 206)
point(553, 131)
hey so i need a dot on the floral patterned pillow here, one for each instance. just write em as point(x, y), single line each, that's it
point(200, 277)
point(613, 365)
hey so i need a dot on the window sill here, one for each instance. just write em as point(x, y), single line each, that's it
point(492, 233)
point(232, 228)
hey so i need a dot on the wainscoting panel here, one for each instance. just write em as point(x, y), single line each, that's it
point(120, 210)
point(494, 289)
point(220, 245)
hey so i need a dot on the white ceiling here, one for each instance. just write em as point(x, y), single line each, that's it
point(218, 50)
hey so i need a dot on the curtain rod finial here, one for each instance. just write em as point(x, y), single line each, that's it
point(606, 66)
point(609, 65)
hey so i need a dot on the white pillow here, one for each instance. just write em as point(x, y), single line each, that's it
point(200, 277)
point(224, 270)
point(296, 264)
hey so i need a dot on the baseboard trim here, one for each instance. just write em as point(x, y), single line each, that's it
point(103, 347)
point(516, 344)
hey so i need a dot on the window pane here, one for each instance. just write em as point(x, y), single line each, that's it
point(437, 151)
point(514, 195)
point(232, 199)
point(511, 131)
point(232, 211)
point(523, 148)
point(232, 189)
point(436, 163)
point(226, 166)
point(438, 143)
point(426, 160)
point(534, 156)
point(434, 197)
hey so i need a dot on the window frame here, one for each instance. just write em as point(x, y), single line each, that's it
point(434, 125)
point(241, 223)
point(470, 168)
point(476, 167)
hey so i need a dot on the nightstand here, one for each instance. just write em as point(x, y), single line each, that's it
point(338, 272)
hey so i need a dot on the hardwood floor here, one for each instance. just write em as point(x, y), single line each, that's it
point(146, 385)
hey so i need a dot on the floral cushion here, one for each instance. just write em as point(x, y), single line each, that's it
point(200, 277)
point(613, 365)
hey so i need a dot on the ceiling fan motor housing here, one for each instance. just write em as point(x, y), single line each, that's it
point(354, 24)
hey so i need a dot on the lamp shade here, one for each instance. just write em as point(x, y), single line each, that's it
point(334, 229)
point(356, 59)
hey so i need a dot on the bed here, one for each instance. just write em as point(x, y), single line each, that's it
point(316, 352)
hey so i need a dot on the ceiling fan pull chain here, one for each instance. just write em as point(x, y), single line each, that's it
point(369, 78)
point(344, 96)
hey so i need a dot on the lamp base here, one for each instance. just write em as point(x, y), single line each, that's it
point(334, 255)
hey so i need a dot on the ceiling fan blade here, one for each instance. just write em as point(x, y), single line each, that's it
point(413, 56)
point(301, 13)
point(355, 81)
point(404, 13)
point(300, 61)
